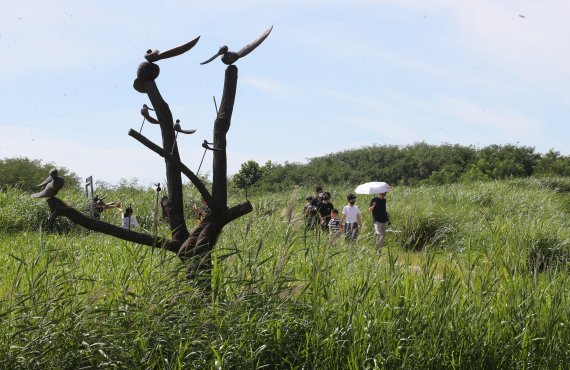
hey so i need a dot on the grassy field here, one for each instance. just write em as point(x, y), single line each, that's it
point(474, 275)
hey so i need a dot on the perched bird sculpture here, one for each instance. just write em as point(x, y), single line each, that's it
point(149, 71)
point(178, 130)
point(146, 114)
point(155, 55)
point(53, 184)
point(230, 57)
point(206, 145)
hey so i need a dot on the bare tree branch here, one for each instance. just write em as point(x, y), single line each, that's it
point(237, 211)
point(58, 207)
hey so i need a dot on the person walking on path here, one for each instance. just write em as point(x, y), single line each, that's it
point(351, 218)
point(381, 218)
point(324, 208)
point(334, 226)
point(309, 212)
point(315, 202)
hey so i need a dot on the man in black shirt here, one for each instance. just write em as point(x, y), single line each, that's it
point(381, 218)
point(315, 202)
point(325, 207)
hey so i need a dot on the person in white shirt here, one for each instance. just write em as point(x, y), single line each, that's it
point(129, 220)
point(351, 218)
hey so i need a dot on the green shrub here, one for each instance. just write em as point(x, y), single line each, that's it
point(25, 174)
point(20, 212)
point(548, 252)
point(423, 232)
point(561, 185)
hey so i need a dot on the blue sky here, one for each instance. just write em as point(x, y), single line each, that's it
point(333, 75)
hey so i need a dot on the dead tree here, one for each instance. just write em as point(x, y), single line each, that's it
point(195, 245)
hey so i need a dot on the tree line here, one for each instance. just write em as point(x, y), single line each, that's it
point(415, 164)
point(26, 174)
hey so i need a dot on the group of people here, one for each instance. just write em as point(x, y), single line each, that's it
point(128, 219)
point(320, 214)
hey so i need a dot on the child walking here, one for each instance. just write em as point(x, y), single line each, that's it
point(334, 226)
point(351, 218)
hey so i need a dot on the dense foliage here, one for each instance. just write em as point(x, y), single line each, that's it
point(248, 175)
point(415, 164)
point(26, 174)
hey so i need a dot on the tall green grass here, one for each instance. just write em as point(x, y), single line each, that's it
point(284, 297)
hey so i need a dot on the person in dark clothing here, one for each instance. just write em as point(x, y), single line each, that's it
point(309, 212)
point(381, 218)
point(317, 199)
point(165, 206)
point(318, 196)
point(324, 208)
point(98, 206)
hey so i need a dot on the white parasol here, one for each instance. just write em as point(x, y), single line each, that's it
point(372, 188)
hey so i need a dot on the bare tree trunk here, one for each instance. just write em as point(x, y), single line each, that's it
point(173, 177)
point(204, 237)
point(221, 127)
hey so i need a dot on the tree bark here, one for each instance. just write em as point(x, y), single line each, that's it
point(203, 238)
point(173, 176)
point(221, 127)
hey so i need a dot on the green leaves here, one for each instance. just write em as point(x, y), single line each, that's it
point(419, 163)
point(26, 174)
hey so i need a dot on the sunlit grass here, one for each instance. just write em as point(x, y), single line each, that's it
point(285, 297)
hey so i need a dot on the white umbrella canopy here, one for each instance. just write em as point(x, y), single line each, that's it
point(372, 188)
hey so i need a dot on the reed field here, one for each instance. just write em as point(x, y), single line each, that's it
point(474, 275)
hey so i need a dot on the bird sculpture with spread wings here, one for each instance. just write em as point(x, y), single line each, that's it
point(230, 57)
point(148, 70)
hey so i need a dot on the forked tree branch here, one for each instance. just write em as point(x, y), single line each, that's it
point(176, 162)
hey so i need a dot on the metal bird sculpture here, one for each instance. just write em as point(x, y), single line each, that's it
point(148, 71)
point(206, 145)
point(146, 114)
point(230, 57)
point(155, 55)
point(179, 129)
point(53, 184)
